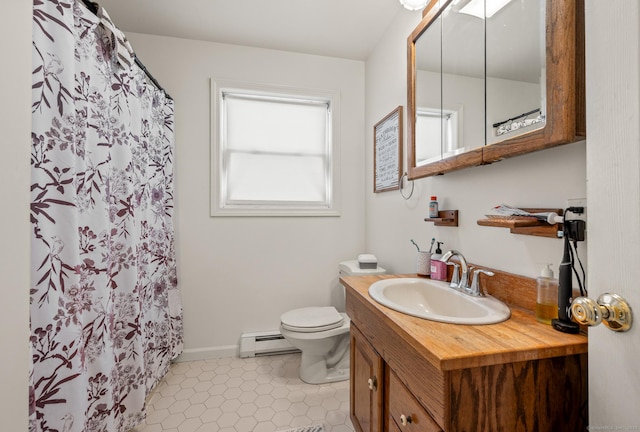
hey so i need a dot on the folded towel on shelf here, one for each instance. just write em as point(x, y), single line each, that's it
point(504, 211)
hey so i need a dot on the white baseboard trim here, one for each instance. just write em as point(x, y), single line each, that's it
point(208, 353)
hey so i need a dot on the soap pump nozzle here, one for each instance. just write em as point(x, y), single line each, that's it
point(547, 272)
point(438, 253)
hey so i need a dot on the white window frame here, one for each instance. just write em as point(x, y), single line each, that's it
point(220, 205)
point(450, 130)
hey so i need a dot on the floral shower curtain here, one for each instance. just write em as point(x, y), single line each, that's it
point(106, 316)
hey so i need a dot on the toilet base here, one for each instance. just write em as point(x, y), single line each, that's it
point(314, 370)
point(325, 354)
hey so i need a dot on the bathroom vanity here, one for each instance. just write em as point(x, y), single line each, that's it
point(411, 374)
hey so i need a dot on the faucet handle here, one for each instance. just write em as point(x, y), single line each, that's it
point(455, 278)
point(475, 283)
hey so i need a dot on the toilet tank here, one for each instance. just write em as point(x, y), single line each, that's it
point(353, 268)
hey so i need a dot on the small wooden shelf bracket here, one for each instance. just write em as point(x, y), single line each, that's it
point(527, 226)
point(445, 218)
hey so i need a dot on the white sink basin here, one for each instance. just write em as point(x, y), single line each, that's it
point(436, 301)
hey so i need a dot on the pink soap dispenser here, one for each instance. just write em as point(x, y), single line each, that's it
point(438, 267)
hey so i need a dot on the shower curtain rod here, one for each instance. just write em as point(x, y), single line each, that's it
point(93, 7)
point(528, 113)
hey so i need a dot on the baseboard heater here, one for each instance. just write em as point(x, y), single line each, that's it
point(264, 343)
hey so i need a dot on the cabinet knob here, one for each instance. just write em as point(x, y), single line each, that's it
point(372, 383)
point(405, 419)
point(610, 309)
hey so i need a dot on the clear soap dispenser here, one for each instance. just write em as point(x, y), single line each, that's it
point(547, 298)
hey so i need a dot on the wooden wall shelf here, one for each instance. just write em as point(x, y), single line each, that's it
point(527, 226)
point(445, 218)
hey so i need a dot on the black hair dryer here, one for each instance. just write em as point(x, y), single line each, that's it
point(565, 290)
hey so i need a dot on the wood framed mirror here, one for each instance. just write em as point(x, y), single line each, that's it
point(478, 93)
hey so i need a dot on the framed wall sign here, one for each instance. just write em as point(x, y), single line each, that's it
point(387, 152)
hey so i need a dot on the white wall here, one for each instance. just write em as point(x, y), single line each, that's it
point(15, 115)
point(241, 274)
point(542, 179)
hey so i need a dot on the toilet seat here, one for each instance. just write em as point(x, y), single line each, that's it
point(311, 319)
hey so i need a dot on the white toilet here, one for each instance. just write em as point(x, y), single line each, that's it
point(322, 334)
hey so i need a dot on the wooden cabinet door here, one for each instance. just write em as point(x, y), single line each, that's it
point(367, 378)
point(403, 410)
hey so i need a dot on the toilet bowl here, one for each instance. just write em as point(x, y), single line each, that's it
point(322, 334)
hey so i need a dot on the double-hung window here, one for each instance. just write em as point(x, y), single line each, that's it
point(274, 151)
point(440, 130)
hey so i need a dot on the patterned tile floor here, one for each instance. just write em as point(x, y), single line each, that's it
point(261, 394)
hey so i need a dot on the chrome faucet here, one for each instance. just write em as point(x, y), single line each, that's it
point(464, 269)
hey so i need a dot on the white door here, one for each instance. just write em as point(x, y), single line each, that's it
point(613, 202)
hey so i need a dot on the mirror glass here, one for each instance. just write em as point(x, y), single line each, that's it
point(470, 91)
point(428, 114)
point(463, 79)
point(516, 70)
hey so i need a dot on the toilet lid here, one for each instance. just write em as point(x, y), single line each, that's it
point(312, 319)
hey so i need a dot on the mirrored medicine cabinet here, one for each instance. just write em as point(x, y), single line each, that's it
point(486, 84)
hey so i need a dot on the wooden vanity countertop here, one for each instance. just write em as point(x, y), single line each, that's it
point(453, 346)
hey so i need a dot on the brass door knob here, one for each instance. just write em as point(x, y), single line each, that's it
point(404, 420)
point(372, 383)
point(610, 309)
